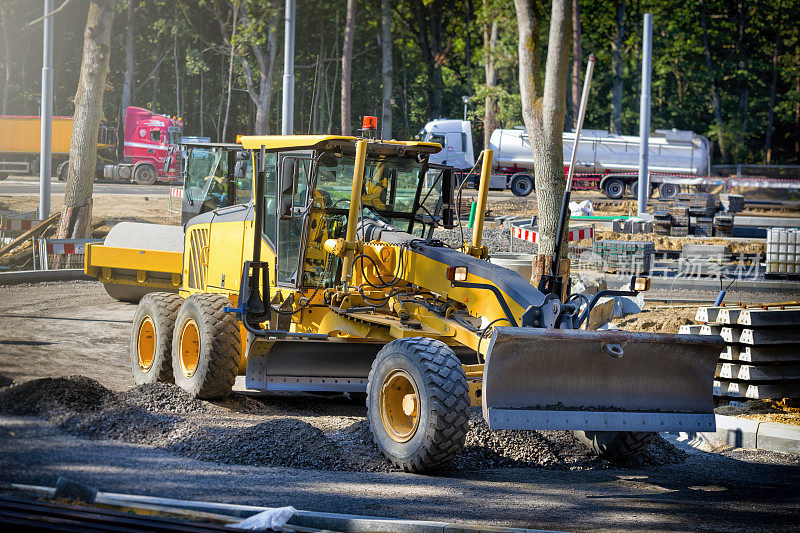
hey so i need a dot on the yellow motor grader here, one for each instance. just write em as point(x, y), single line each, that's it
point(330, 279)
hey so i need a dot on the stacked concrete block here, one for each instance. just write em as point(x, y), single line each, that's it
point(761, 358)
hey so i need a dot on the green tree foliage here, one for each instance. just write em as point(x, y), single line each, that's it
point(438, 59)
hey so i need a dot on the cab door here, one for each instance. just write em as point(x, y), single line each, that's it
point(291, 232)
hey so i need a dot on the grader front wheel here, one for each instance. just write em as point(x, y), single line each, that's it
point(418, 403)
point(205, 347)
point(615, 445)
point(151, 337)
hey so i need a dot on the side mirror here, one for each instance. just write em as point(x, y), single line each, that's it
point(287, 187)
point(167, 163)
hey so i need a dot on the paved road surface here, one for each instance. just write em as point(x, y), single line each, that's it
point(24, 185)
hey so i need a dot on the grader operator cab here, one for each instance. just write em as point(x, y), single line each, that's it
point(330, 280)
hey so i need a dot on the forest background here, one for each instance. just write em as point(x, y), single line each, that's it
point(727, 69)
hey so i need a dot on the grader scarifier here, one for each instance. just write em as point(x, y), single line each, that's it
point(329, 280)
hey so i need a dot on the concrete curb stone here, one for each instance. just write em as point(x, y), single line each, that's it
point(38, 276)
point(754, 435)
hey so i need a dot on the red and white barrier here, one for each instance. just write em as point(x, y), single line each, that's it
point(46, 247)
point(531, 235)
point(176, 192)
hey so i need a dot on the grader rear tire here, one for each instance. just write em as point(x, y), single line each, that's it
point(151, 337)
point(615, 445)
point(418, 403)
point(205, 347)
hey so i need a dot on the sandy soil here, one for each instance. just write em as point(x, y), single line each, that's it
point(765, 411)
point(657, 318)
point(109, 209)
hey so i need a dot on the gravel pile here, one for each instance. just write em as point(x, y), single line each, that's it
point(278, 442)
point(495, 239)
point(5, 381)
point(492, 449)
point(318, 434)
point(163, 397)
point(41, 397)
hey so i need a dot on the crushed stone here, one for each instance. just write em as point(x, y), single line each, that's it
point(278, 442)
point(163, 397)
point(41, 397)
point(319, 434)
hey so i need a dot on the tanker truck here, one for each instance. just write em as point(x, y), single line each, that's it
point(606, 161)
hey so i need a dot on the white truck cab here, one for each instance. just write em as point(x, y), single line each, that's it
point(456, 138)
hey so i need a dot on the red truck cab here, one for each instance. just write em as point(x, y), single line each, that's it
point(151, 152)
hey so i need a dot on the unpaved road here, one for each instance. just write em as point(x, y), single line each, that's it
point(74, 328)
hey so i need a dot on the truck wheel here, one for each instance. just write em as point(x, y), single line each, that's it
point(418, 403)
point(522, 184)
point(145, 175)
point(614, 188)
point(205, 347)
point(615, 445)
point(151, 338)
point(634, 187)
point(668, 191)
point(63, 168)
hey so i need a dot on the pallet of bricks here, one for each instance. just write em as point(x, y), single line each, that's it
point(696, 214)
point(761, 357)
point(625, 257)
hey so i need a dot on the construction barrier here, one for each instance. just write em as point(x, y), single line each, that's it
point(530, 234)
point(175, 197)
point(46, 252)
point(12, 226)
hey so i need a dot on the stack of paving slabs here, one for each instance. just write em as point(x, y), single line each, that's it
point(701, 226)
point(703, 204)
point(680, 218)
point(761, 358)
point(723, 225)
point(662, 219)
point(732, 203)
point(625, 257)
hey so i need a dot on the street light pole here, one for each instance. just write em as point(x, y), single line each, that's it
point(644, 113)
point(46, 114)
point(287, 124)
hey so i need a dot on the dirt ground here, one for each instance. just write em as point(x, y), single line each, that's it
point(165, 445)
point(109, 209)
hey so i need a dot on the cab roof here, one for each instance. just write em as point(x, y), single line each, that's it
point(324, 142)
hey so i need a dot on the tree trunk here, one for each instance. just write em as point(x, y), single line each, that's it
point(544, 107)
point(177, 75)
point(430, 35)
point(230, 75)
point(387, 70)
point(77, 213)
point(347, 65)
point(773, 87)
point(490, 105)
point(714, 92)
point(6, 60)
point(127, 83)
point(577, 60)
point(616, 69)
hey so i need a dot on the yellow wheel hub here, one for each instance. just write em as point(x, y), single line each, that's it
point(146, 347)
point(190, 348)
point(400, 405)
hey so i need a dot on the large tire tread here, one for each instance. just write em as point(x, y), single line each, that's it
point(220, 348)
point(163, 310)
point(448, 401)
point(616, 445)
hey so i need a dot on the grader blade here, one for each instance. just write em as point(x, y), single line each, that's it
point(599, 380)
